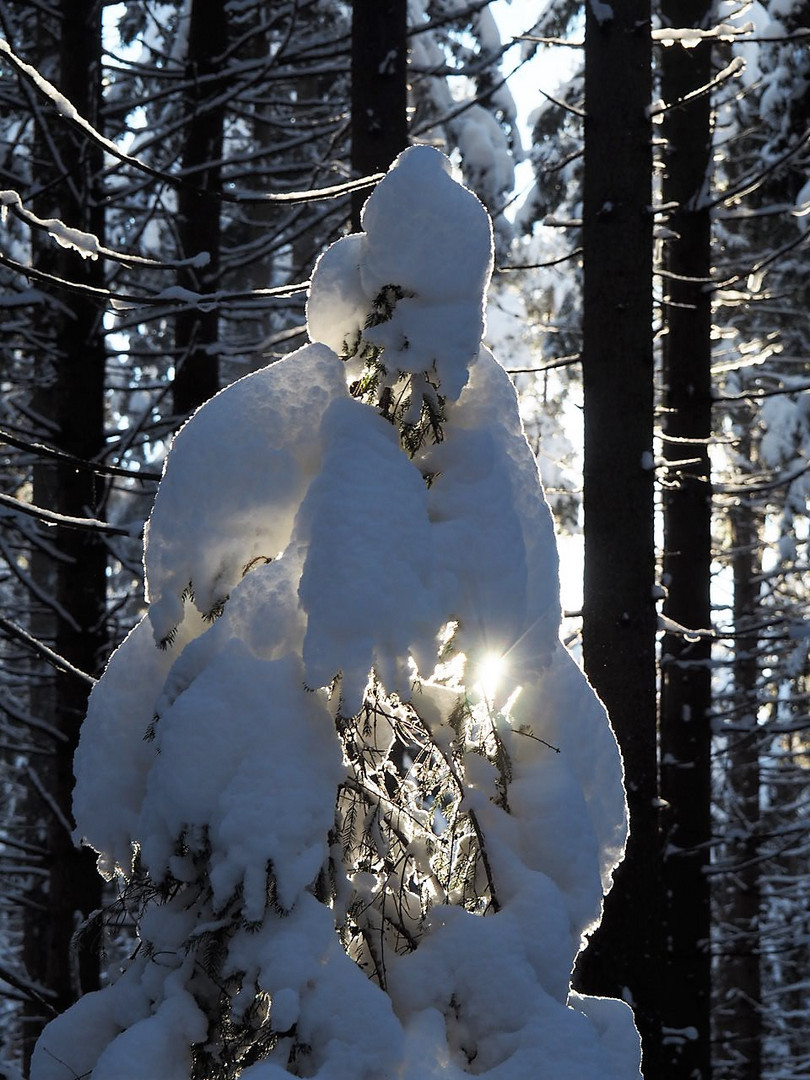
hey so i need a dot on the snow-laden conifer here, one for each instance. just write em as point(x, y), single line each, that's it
point(366, 802)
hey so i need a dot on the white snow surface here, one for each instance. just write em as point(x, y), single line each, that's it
point(291, 506)
point(240, 468)
point(442, 262)
point(85, 244)
point(489, 161)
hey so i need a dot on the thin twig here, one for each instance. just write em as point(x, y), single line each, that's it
point(59, 662)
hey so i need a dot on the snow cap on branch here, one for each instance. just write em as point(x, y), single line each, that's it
point(435, 251)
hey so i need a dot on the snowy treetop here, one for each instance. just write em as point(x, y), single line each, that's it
point(365, 802)
point(428, 261)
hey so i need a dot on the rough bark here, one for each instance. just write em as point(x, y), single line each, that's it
point(198, 205)
point(685, 736)
point(619, 617)
point(379, 89)
point(738, 996)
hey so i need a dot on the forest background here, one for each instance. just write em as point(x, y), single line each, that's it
point(172, 171)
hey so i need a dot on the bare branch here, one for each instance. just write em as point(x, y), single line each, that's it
point(16, 632)
point(69, 112)
point(43, 451)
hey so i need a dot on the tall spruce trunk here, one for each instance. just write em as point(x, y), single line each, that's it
point(379, 89)
point(685, 735)
point(619, 616)
point(738, 996)
point(196, 331)
point(69, 565)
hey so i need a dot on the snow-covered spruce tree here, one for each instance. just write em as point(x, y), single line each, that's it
point(369, 801)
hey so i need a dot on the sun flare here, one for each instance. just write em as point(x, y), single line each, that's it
point(490, 673)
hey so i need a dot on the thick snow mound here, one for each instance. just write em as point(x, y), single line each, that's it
point(356, 579)
point(375, 804)
point(238, 471)
point(488, 508)
point(437, 256)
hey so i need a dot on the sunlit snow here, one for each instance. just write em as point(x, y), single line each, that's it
point(340, 543)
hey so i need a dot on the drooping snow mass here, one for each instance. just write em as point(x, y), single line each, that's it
point(239, 473)
point(437, 264)
point(367, 803)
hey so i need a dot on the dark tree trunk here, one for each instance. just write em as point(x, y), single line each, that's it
point(619, 617)
point(196, 375)
point(687, 426)
point(738, 996)
point(71, 569)
point(379, 89)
